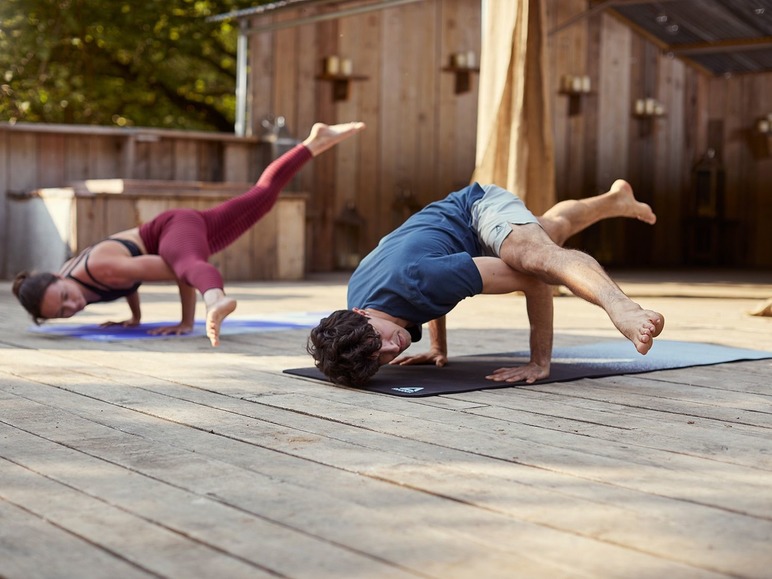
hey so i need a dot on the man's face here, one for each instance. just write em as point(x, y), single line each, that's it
point(394, 339)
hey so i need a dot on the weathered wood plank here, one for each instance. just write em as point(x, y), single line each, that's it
point(614, 100)
point(185, 159)
point(22, 162)
point(233, 531)
point(51, 156)
point(368, 190)
point(33, 547)
point(456, 114)
point(144, 543)
point(291, 235)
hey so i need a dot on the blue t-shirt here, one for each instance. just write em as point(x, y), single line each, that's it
point(424, 268)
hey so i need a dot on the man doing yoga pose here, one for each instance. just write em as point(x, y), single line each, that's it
point(481, 239)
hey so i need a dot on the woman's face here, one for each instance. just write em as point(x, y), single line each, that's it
point(63, 299)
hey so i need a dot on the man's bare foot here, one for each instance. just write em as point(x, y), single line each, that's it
point(638, 325)
point(323, 137)
point(218, 307)
point(627, 205)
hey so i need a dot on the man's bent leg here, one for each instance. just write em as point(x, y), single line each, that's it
point(569, 217)
point(529, 249)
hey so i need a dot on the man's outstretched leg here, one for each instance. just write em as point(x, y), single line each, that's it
point(530, 250)
point(569, 217)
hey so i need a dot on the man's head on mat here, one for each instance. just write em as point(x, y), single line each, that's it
point(349, 346)
point(48, 295)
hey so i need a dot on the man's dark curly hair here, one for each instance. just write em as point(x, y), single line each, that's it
point(343, 345)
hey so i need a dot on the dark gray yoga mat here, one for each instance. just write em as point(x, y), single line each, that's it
point(612, 358)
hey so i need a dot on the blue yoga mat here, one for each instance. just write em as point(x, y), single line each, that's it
point(232, 325)
point(612, 358)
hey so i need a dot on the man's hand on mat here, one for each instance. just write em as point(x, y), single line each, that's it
point(177, 330)
point(435, 357)
point(528, 373)
point(131, 323)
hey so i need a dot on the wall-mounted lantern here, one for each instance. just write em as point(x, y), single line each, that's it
point(575, 87)
point(463, 65)
point(340, 72)
point(647, 110)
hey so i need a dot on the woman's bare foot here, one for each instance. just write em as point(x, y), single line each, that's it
point(627, 205)
point(323, 137)
point(764, 309)
point(638, 325)
point(218, 307)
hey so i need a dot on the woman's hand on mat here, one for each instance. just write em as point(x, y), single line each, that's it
point(177, 330)
point(130, 323)
point(528, 373)
point(435, 357)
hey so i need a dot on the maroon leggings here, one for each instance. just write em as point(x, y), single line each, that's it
point(185, 238)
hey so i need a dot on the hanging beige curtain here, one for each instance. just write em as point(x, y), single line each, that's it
point(514, 136)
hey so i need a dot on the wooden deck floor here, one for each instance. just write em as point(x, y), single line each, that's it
point(172, 459)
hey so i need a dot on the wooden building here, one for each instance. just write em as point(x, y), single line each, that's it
point(678, 94)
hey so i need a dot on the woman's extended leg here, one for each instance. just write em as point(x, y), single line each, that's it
point(231, 219)
point(187, 238)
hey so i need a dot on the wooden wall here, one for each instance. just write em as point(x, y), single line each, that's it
point(421, 139)
point(733, 107)
point(605, 141)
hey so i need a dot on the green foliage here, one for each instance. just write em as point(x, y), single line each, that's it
point(155, 63)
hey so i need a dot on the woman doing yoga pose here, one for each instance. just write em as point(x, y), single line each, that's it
point(175, 245)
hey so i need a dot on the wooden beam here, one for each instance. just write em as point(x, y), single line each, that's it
point(329, 16)
point(608, 3)
point(732, 45)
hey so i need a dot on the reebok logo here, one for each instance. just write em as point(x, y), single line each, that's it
point(409, 389)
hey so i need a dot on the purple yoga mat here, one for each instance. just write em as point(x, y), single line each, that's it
point(230, 326)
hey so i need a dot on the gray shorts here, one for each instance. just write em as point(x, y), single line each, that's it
point(492, 215)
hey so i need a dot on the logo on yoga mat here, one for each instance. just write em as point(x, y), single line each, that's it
point(409, 389)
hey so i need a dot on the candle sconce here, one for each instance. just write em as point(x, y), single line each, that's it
point(575, 87)
point(647, 110)
point(762, 140)
point(339, 71)
point(764, 125)
point(648, 107)
point(463, 65)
